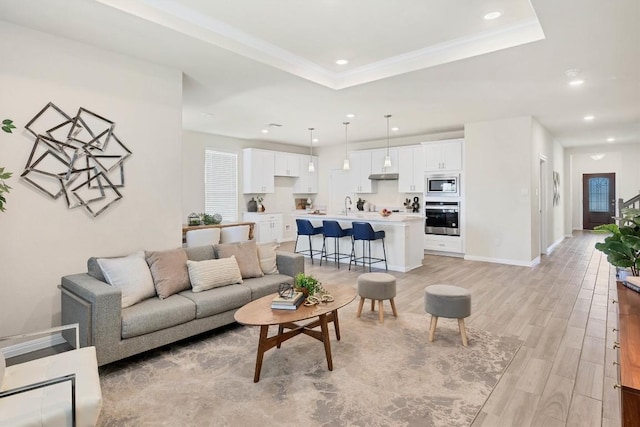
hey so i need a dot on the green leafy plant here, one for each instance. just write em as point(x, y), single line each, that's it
point(308, 282)
point(209, 219)
point(622, 247)
point(7, 126)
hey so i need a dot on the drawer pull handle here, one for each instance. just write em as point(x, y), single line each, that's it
point(617, 386)
point(615, 363)
point(614, 301)
point(615, 330)
point(616, 345)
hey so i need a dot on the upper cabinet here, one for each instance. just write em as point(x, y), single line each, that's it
point(377, 160)
point(258, 171)
point(359, 171)
point(307, 182)
point(411, 169)
point(287, 164)
point(443, 155)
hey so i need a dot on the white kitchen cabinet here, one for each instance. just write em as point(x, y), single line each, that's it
point(411, 169)
point(359, 171)
point(287, 164)
point(443, 155)
point(377, 160)
point(258, 171)
point(269, 227)
point(307, 182)
point(434, 242)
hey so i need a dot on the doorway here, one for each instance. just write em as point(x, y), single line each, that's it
point(598, 199)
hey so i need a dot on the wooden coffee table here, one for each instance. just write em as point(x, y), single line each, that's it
point(259, 313)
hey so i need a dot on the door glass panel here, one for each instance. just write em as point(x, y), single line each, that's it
point(598, 194)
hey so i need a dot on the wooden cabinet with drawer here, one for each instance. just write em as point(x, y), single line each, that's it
point(629, 354)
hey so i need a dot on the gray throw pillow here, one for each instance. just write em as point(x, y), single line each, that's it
point(246, 254)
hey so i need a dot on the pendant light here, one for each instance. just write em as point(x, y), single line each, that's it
point(312, 168)
point(387, 158)
point(345, 164)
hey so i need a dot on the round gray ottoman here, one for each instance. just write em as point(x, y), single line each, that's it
point(377, 287)
point(447, 301)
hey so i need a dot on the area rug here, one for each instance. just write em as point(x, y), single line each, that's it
point(383, 375)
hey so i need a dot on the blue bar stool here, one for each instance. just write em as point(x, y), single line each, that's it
point(333, 230)
point(363, 231)
point(305, 228)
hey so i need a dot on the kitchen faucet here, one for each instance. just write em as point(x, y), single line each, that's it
point(346, 212)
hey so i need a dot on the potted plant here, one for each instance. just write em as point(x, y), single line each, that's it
point(622, 247)
point(307, 284)
point(7, 126)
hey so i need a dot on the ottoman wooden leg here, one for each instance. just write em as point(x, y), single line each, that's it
point(463, 332)
point(373, 304)
point(381, 311)
point(360, 306)
point(393, 308)
point(432, 328)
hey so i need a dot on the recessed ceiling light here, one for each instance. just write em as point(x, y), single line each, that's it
point(265, 131)
point(315, 140)
point(342, 62)
point(395, 129)
point(588, 118)
point(611, 139)
point(351, 115)
point(492, 15)
point(576, 82)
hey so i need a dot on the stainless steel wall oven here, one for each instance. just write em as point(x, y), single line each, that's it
point(442, 218)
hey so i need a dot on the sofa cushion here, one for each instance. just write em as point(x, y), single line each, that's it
point(246, 254)
point(212, 273)
point(267, 257)
point(169, 271)
point(218, 300)
point(200, 253)
point(155, 314)
point(131, 275)
point(265, 285)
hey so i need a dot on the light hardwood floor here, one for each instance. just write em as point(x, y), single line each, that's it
point(563, 374)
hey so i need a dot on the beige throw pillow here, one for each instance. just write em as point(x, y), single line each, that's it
point(246, 254)
point(213, 273)
point(267, 257)
point(169, 271)
point(131, 274)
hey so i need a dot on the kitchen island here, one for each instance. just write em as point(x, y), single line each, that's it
point(404, 237)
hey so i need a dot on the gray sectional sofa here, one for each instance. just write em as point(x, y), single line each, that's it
point(118, 332)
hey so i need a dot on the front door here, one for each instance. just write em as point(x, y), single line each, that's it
point(598, 199)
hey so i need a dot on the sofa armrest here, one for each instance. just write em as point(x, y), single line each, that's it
point(289, 263)
point(96, 307)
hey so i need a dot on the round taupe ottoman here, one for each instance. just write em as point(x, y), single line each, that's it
point(377, 287)
point(447, 301)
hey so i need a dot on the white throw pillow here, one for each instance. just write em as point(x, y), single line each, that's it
point(212, 273)
point(131, 274)
point(267, 256)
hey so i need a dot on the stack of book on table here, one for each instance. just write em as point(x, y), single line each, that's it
point(287, 303)
point(633, 283)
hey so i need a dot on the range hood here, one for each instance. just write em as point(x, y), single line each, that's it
point(383, 176)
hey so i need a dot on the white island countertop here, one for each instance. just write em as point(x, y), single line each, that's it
point(404, 240)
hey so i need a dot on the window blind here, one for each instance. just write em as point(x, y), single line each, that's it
point(221, 184)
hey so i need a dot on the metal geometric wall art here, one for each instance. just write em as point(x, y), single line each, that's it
point(77, 157)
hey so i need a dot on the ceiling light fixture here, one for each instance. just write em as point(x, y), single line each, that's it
point(588, 118)
point(350, 115)
point(312, 168)
point(342, 62)
point(345, 163)
point(395, 129)
point(492, 15)
point(597, 156)
point(611, 139)
point(265, 131)
point(387, 158)
point(577, 82)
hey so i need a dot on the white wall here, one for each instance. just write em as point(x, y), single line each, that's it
point(42, 239)
point(559, 212)
point(621, 159)
point(498, 170)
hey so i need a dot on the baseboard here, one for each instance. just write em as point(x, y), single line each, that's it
point(555, 244)
point(503, 261)
point(33, 345)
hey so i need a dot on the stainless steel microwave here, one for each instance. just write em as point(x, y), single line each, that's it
point(442, 185)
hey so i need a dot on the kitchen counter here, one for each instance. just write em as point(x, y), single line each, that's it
point(404, 237)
